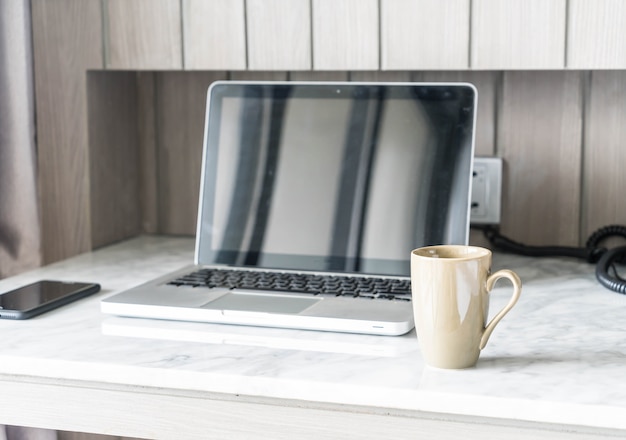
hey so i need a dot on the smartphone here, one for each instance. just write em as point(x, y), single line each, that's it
point(42, 296)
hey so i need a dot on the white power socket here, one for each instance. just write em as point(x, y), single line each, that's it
point(486, 191)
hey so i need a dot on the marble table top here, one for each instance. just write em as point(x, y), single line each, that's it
point(559, 356)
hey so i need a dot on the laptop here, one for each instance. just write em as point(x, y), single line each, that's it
point(313, 195)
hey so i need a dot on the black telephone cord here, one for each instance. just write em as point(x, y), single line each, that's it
point(605, 260)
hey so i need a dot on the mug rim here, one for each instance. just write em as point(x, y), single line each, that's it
point(475, 252)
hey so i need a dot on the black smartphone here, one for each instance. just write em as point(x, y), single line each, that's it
point(42, 296)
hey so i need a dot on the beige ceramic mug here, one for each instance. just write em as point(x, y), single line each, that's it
point(451, 286)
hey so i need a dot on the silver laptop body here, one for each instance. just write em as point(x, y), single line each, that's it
point(312, 197)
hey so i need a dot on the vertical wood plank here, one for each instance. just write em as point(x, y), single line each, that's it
point(279, 34)
point(181, 103)
point(518, 34)
point(539, 138)
point(259, 76)
point(605, 152)
point(147, 138)
point(113, 156)
point(67, 40)
point(345, 34)
point(486, 84)
point(596, 37)
point(379, 75)
point(318, 76)
point(214, 34)
point(425, 34)
point(144, 34)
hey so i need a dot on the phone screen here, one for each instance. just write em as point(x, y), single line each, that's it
point(43, 295)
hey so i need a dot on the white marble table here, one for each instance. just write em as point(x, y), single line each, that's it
point(554, 368)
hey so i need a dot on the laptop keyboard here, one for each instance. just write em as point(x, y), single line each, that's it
point(335, 285)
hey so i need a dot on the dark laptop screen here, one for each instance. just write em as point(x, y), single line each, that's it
point(343, 177)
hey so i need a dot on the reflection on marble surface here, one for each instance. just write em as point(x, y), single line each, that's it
point(559, 356)
point(240, 335)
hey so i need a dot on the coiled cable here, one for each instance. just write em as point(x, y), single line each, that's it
point(605, 260)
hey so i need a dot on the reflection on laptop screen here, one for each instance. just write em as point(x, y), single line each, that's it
point(334, 177)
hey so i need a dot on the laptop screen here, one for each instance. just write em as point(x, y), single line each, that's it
point(346, 177)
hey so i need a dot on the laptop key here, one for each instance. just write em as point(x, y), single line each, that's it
point(332, 285)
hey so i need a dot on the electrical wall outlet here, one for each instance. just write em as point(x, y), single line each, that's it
point(486, 191)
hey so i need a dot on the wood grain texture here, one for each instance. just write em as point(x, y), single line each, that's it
point(180, 104)
point(279, 34)
point(425, 34)
point(147, 146)
point(67, 40)
point(380, 75)
point(113, 157)
point(605, 153)
point(345, 34)
point(258, 76)
point(477, 238)
point(487, 86)
point(143, 34)
point(214, 34)
point(518, 34)
point(539, 138)
point(318, 76)
point(596, 34)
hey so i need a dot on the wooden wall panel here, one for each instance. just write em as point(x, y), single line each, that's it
point(67, 40)
point(258, 76)
point(214, 34)
point(605, 152)
point(180, 102)
point(531, 118)
point(147, 146)
point(596, 34)
point(518, 34)
point(345, 34)
point(143, 34)
point(279, 34)
point(425, 34)
point(539, 138)
point(113, 156)
point(318, 76)
point(379, 75)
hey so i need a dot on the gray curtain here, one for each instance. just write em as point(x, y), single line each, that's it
point(19, 222)
point(18, 433)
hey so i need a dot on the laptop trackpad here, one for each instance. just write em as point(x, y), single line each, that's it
point(261, 303)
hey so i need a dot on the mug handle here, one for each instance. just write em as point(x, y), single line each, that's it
point(517, 290)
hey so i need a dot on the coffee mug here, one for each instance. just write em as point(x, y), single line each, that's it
point(451, 286)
